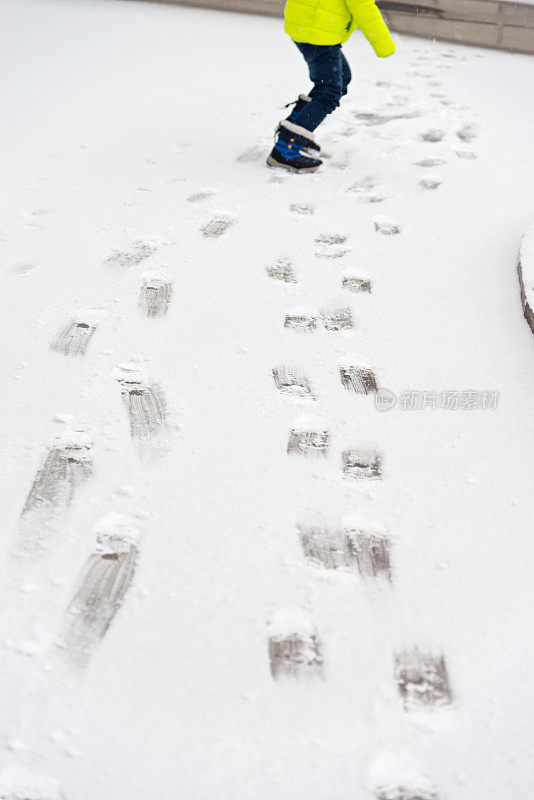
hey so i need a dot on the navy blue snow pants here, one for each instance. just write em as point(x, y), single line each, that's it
point(330, 73)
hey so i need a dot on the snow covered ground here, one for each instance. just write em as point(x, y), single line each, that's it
point(155, 273)
point(526, 275)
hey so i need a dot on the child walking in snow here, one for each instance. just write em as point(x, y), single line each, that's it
point(319, 28)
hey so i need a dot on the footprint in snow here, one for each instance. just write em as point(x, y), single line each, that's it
point(331, 245)
point(467, 133)
point(337, 318)
point(105, 582)
point(364, 187)
point(467, 155)
point(332, 253)
point(405, 791)
point(356, 283)
point(198, 197)
point(364, 184)
point(252, 154)
point(155, 296)
point(357, 378)
point(366, 550)
point(342, 161)
point(331, 238)
point(433, 135)
point(430, 182)
point(139, 252)
point(146, 409)
point(292, 382)
point(431, 162)
point(300, 320)
point(399, 100)
point(67, 465)
point(216, 227)
point(278, 176)
point(422, 679)
point(361, 464)
point(302, 209)
point(386, 226)
point(348, 130)
point(373, 198)
point(73, 340)
point(282, 270)
point(308, 437)
point(145, 406)
point(370, 118)
point(295, 655)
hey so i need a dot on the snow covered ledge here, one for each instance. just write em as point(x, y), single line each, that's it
point(525, 269)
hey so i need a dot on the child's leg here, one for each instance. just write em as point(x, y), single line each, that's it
point(330, 72)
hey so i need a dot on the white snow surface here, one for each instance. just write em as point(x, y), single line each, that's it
point(309, 422)
point(18, 783)
point(114, 115)
point(115, 532)
point(289, 621)
point(391, 770)
point(526, 257)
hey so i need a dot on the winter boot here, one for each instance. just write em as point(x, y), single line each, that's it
point(303, 99)
point(291, 149)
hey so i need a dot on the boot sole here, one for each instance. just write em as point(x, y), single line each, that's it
point(273, 163)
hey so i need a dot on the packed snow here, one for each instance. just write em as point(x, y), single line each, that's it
point(267, 438)
point(526, 274)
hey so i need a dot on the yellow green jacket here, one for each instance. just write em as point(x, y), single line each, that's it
point(333, 21)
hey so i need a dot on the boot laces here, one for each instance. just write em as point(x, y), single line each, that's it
point(292, 103)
